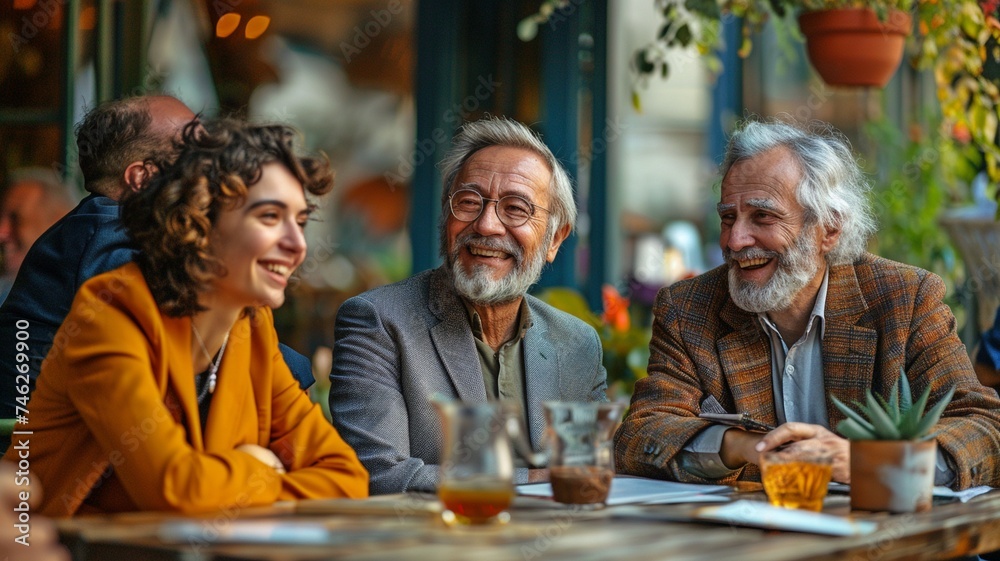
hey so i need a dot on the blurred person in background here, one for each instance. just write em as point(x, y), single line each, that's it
point(987, 359)
point(170, 392)
point(117, 142)
point(35, 198)
point(114, 141)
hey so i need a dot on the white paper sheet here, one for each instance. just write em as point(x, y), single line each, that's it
point(245, 531)
point(939, 491)
point(759, 514)
point(627, 490)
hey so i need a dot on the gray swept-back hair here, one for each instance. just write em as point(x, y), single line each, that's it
point(500, 131)
point(833, 190)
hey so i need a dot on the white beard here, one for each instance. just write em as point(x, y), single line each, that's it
point(796, 267)
point(478, 285)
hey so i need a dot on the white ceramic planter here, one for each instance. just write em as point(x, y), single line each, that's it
point(892, 475)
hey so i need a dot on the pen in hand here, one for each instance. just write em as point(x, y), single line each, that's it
point(714, 411)
point(743, 420)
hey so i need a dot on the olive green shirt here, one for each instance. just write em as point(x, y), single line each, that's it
point(503, 370)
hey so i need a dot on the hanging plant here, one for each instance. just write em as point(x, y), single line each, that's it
point(958, 40)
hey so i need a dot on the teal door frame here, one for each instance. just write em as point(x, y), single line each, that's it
point(445, 38)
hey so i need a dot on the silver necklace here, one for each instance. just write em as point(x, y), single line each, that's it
point(213, 367)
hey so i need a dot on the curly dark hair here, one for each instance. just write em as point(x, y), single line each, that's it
point(171, 219)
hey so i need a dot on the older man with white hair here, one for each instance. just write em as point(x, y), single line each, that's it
point(798, 312)
point(467, 330)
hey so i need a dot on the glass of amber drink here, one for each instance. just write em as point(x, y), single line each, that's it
point(477, 462)
point(797, 477)
point(475, 501)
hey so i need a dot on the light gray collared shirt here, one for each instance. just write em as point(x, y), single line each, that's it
point(797, 378)
point(797, 372)
point(797, 382)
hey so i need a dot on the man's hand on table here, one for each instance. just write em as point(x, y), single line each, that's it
point(740, 447)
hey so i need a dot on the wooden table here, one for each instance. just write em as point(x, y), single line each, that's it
point(405, 528)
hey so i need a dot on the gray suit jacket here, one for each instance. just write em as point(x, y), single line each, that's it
point(399, 344)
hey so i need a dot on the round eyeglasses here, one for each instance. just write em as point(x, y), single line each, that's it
point(512, 210)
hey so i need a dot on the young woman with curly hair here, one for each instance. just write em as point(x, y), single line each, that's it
point(165, 389)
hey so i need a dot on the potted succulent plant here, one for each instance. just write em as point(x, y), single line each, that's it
point(893, 451)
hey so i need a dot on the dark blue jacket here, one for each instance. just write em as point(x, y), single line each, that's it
point(88, 241)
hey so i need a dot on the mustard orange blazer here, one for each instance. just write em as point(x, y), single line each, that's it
point(115, 423)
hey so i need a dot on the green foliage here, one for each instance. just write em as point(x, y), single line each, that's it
point(880, 7)
point(697, 23)
point(916, 176)
point(955, 39)
point(899, 418)
point(626, 351)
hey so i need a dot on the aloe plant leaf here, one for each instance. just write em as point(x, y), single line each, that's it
point(929, 436)
point(852, 414)
point(932, 416)
point(862, 408)
point(908, 423)
point(884, 427)
point(893, 406)
point(921, 403)
point(887, 409)
point(854, 431)
point(905, 397)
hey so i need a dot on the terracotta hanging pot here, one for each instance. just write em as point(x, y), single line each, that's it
point(892, 475)
point(851, 47)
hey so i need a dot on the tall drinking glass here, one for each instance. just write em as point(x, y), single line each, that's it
point(477, 466)
point(581, 465)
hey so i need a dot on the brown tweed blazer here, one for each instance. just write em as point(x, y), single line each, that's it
point(880, 315)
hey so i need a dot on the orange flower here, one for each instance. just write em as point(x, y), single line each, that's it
point(615, 309)
point(960, 132)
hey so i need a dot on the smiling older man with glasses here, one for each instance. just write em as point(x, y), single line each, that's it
point(467, 330)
